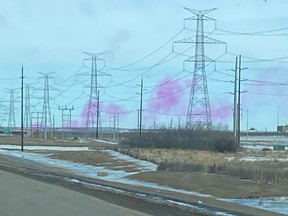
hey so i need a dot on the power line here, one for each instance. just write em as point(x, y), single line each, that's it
point(150, 54)
point(256, 33)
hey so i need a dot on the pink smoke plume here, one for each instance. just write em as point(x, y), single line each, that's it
point(110, 109)
point(221, 111)
point(113, 108)
point(75, 123)
point(93, 110)
point(167, 95)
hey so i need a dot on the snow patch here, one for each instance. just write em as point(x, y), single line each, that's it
point(51, 148)
point(274, 204)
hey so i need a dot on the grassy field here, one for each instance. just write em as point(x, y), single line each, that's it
point(258, 166)
point(200, 179)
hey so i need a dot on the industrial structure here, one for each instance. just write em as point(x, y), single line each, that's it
point(199, 111)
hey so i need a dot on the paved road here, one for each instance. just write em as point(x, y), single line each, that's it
point(26, 197)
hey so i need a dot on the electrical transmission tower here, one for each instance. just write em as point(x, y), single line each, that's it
point(27, 114)
point(66, 120)
point(199, 111)
point(11, 119)
point(93, 104)
point(46, 120)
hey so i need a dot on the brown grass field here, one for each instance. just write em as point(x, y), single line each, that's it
point(209, 183)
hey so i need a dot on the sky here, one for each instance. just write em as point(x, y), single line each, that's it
point(137, 40)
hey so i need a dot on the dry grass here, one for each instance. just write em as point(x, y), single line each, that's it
point(231, 164)
point(216, 185)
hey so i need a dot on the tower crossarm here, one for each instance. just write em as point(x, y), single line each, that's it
point(200, 12)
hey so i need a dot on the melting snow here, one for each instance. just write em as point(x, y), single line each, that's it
point(258, 158)
point(52, 148)
point(275, 204)
point(95, 172)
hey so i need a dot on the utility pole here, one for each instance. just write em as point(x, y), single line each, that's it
point(37, 123)
point(37, 126)
point(141, 110)
point(70, 120)
point(66, 123)
point(239, 102)
point(98, 110)
point(22, 114)
point(247, 122)
point(53, 129)
point(199, 111)
point(62, 110)
point(138, 118)
point(235, 103)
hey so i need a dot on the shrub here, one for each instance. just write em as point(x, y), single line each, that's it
point(195, 138)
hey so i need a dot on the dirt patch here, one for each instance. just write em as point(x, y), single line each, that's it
point(96, 158)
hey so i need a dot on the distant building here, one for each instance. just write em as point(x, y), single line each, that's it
point(282, 129)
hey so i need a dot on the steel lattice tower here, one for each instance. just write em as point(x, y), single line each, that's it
point(93, 104)
point(46, 120)
point(27, 113)
point(199, 111)
point(11, 119)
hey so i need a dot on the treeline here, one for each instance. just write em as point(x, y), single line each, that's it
point(197, 139)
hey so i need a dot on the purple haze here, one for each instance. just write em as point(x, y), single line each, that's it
point(168, 94)
point(93, 109)
point(113, 109)
point(221, 110)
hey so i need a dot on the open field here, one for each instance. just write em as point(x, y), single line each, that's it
point(182, 162)
point(258, 166)
point(202, 182)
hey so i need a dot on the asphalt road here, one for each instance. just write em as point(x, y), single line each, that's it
point(27, 197)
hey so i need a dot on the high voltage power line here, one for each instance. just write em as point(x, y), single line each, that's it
point(164, 60)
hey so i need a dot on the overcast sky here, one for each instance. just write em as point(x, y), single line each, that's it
point(51, 36)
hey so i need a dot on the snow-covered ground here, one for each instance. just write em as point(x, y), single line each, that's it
point(275, 204)
point(98, 171)
point(261, 142)
point(51, 148)
point(282, 158)
point(265, 138)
